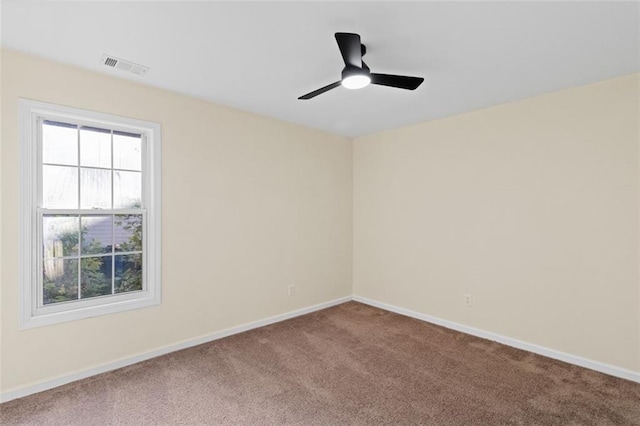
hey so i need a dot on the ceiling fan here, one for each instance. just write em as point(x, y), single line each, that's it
point(356, 73)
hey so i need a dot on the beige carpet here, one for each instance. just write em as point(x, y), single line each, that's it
point(347, 365)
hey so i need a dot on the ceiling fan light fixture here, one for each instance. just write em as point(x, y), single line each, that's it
point(356, 74)
point(356, 81)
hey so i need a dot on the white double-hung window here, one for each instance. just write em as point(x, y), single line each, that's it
point(90, 213)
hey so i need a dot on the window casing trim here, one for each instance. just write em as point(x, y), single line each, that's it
point(32, 315)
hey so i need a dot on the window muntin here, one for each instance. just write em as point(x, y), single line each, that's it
point(90, 193)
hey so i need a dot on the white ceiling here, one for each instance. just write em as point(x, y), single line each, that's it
point(261, 56)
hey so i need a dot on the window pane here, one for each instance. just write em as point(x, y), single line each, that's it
point(128, 232)
point(95, 189)
point(95, 276)
point(59, 143)
point(127, 151)
point(97, 234)
point(59, 187)
point(127, 189)
point(95, 147)
point(59, 236)
point(60, 280)
point(128, 270)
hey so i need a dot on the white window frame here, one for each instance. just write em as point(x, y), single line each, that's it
point(32, 314)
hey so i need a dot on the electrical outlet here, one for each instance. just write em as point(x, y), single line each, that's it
point(468, 300)
point(292, 290)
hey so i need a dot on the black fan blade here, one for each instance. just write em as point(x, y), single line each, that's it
point(350, 48)
point(320, 91)
point(399, 81)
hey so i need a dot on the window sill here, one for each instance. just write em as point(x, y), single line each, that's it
point(142, 300)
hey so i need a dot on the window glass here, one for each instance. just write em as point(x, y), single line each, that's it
point(97, 234)
point(128, 270)
point(95, 276)
point(127, 151)
point(59, 236)
point(89, 242)
point(59, 187)
point(59, 143)
point(95, 147)
point(60, 280)
point(95, 188)
point(127, 189)
point(127, 233)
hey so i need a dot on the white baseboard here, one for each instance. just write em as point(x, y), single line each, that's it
point(68, 378)
point(519, 344)
point(540, 350)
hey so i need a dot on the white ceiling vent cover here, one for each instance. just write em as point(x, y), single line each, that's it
point(124, 65)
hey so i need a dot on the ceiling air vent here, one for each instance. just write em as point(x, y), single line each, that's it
point(124, 65)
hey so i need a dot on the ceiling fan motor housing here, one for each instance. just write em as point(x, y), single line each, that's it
point(349, 71)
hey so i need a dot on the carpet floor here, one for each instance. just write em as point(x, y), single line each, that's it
point(347, 365)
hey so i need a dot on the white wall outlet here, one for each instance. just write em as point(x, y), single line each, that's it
point(468, 300)
point(292, 290)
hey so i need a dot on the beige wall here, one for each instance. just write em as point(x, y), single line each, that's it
point(531, 207)
point(250, 206)
point(1, 210)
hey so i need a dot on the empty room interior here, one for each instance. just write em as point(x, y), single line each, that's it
point(319, 213)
